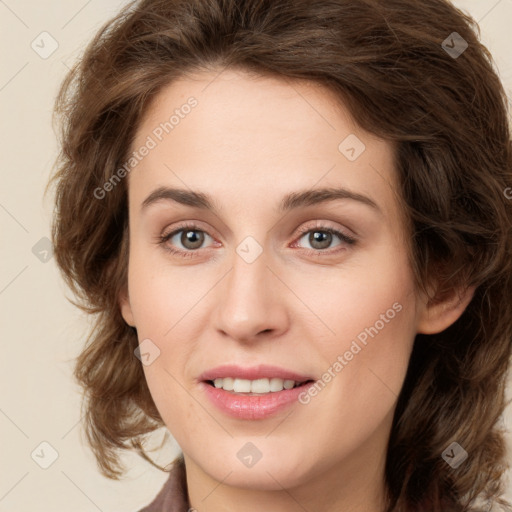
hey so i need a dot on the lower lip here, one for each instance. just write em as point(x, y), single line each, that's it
point(253, 407)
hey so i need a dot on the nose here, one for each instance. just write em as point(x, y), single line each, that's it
point(251, 302)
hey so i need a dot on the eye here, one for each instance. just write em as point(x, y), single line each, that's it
point(189, 236)
point(321, 237)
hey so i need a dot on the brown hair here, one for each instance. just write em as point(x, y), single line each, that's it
point(447, 116)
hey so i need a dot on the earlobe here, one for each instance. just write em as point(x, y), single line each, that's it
point(439, 315)
point(126, 308)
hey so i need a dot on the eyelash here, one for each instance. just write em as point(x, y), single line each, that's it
point(164, 238)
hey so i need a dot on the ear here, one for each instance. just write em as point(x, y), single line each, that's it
point(125, 307)
point(438, 314)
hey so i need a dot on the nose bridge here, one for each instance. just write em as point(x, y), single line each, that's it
point(249, 300)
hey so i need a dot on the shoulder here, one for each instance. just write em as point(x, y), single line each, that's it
point(173, 497)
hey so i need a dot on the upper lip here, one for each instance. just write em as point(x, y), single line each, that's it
point(252, 373)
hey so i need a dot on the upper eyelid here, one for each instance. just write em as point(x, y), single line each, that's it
point(191, 224)
point(196, 225)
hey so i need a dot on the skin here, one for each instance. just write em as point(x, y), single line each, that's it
point(250, 141)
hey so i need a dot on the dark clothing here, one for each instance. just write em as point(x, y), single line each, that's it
point(173, 497)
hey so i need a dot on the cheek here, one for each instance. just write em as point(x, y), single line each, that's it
point(159, 296)
point(371, 310)
point(166, 305)
point(369, 298)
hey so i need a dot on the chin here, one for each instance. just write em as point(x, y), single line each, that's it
point(271, 472)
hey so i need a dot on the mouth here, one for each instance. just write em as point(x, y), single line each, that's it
point(253, 393)
point(256, 387)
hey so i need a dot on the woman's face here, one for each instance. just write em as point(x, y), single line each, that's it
point(266, 246)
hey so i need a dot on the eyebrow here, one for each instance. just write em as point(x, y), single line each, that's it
point(290, 202)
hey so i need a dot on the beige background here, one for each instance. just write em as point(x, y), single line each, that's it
point(41, 332)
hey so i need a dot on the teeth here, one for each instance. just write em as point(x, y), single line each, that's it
point(242, 386)
point(254, 386)
point(260, 386)
point(276, 384)
point(288, 384)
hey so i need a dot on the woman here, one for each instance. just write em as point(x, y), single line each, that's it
point(291, 222)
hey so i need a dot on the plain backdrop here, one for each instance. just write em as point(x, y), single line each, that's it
point(41, 331)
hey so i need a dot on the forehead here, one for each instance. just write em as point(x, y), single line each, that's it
point(238, 133)
point(235, 106)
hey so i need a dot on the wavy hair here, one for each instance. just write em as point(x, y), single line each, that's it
point(446, 115)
